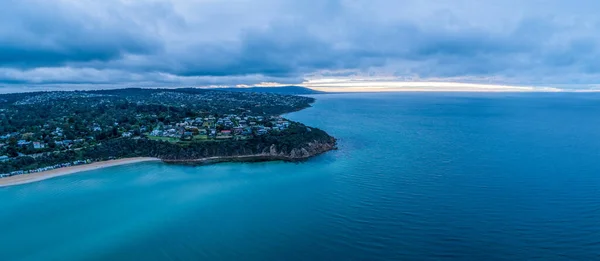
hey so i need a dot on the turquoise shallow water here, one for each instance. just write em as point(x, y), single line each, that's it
point(417, 177)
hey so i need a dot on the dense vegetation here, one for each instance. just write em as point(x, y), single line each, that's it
point(47, 128)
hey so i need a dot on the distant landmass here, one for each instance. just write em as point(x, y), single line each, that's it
point(287, 90)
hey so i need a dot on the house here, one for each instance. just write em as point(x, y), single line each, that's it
point(23, 143)
point(156, 133)
point(192, 129)
point(126, 134)
point(247, 131)
point(261, 132)
point(226, 132)
point(38, 145)
point(58, 132)
point(4, 158)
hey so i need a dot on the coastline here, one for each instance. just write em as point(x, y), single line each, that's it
point(296, 155)
point(273, 156)
point(243, 158)
point(40, 176)
point(223, 159)
point(35, 177)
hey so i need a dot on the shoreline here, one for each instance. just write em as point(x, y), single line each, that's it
point(224, 159)
point(40, 176)
point(273, 156)
point(242, 158)
point(35, 177)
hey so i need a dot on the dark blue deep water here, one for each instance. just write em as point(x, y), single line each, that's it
point(418, 176)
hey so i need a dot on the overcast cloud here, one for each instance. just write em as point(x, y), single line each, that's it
point(221, 42)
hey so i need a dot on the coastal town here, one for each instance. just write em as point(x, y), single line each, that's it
point(211, 128)
point(49, 130)
point(218, 128)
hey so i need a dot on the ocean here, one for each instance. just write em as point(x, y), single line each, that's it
point(418, 176)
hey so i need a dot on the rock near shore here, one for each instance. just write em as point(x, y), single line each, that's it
point(311, 149)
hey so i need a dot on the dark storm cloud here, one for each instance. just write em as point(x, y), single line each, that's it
point(45, 33)
point(229, 42)
point(281, 50)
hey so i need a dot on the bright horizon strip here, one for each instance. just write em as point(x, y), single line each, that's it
point(395, 86)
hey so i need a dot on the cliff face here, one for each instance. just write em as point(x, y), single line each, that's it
point(268, 153)
point(311, 149)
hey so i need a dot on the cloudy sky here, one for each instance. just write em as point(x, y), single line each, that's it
point(230, 42)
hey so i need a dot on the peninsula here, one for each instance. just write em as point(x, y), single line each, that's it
point(47, 134)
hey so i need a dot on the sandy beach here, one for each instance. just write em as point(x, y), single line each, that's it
point(29, 178)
